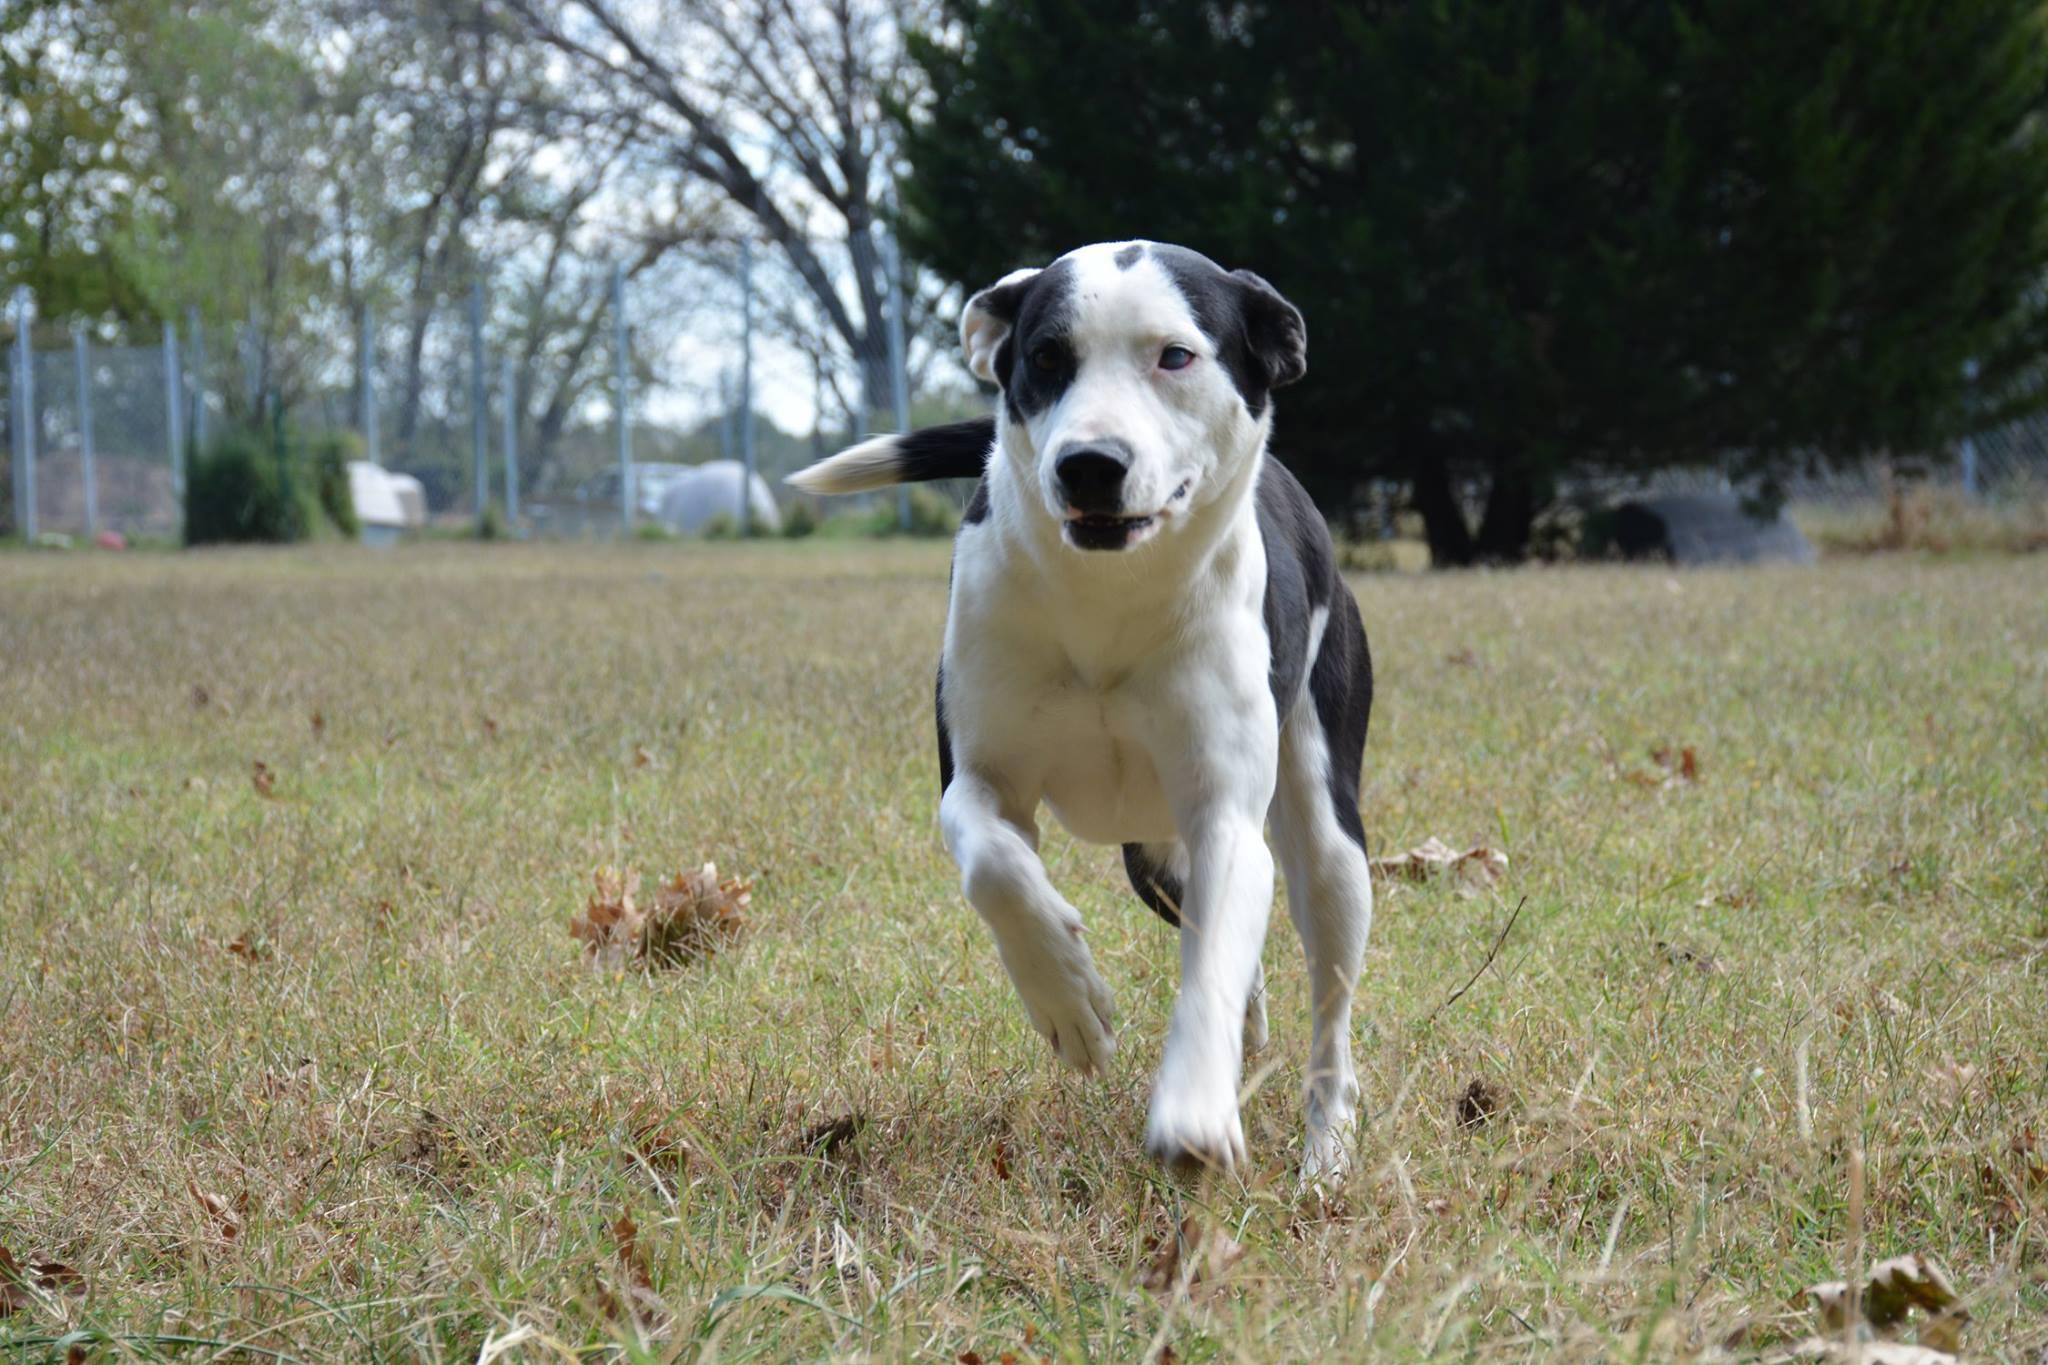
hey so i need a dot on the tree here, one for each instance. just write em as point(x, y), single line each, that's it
point(1535, 240)
point(781, 107)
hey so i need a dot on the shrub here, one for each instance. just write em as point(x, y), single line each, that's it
point(800, 522)
point(720, 527)
point(237, 492)
point(491, 525)
point(652, 531)
point(932, 514)
point(329, 454)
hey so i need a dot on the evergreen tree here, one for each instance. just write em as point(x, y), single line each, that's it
point(1532, 239)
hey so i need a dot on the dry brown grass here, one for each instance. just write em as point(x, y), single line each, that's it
point(403, 1118)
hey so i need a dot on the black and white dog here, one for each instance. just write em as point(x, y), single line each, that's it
point(1147, 633)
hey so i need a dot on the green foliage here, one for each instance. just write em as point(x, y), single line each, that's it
point(799, 522)
point(722, 526)
point(1536, 239)
point(239, 492)
point(932, 514)
point(491, 525)
point(329, 454)
point(652, 531)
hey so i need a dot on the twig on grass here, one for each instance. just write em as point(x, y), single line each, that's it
point(1491, 954)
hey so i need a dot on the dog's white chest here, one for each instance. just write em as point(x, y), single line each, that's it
point(1098, 780)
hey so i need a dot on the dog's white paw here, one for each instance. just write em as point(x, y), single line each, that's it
point(1326, 1157)
point(1065, 998)
point(1195, 1126)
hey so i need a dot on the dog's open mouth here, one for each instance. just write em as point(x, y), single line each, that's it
point(1105, 533)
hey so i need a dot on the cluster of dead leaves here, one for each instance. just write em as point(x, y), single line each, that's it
point(25, 1286)
point(693, 915)
point(1473, 870)
point(1672, 768)
point(1868, 1326)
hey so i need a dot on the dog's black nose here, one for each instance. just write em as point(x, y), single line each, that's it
point(1092, 477)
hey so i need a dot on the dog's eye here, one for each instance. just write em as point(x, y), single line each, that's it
point(1045, 359)
point(1176, 358)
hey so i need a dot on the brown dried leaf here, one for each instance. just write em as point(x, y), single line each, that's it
point(318, 720)
point(658, 1140)
point(1867, 1352)
point(828, 1137)
point(1478, 1103)
point(611, 923)
point(1891, 1291)
point(490, 724)
point(1207, 1254)
point(250, 946)
point(641, 757)
point(263, 780)
point(200, 696)
point(1475, 867)
point(226, 1217)
point(695, 915)
point(15, 1294)
point(692, 916)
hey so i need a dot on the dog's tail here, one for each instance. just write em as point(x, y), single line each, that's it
point(957, 450)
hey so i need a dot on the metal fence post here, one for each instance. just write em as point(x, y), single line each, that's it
point(746, 415)
point(1968, 451)
point(174, 417)
point(15, 426)
point(25, 415)
point(621, 398)
point(479, 446)
point(80, 348)
point(508, 395)
point(899, 378)
point(366, 352)
point(196, 407)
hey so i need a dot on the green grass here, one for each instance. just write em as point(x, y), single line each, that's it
point(430, 1113)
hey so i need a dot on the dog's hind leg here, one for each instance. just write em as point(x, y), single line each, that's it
point(1321, 843)
point(1159, 874)
point(1038, 935)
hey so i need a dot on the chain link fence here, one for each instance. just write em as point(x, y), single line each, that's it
point(99, 432)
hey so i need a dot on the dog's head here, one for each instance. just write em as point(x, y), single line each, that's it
point(1136, 378)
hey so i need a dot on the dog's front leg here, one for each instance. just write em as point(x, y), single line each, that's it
point(1229, 896)
point(1038, 935)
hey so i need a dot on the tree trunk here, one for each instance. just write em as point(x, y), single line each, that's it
point(1443, 520)
point(1511, 506)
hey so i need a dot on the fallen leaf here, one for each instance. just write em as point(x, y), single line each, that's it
point(490, 724)
point(1681, 956)
point(968, 1358)
point(15, 1294)
point(318, 721)
point(641, 758)
point(828, 1137)
point(1892, 1290)
point(200, 696)
point(227, 1218)
point(657, 1140)
point(1207, 1256)
point(1462, 658)
point(264, 780)
point(250, 947)
point(611, 923)
point(1475, 867)
point(1478, 1103)
point(1002, 1159)
point(691, 916)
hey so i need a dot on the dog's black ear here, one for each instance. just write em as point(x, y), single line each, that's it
point(987, 320)
point(1274, 327)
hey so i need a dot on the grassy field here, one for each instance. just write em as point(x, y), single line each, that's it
point(319, 1073)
